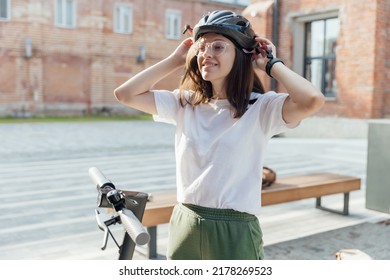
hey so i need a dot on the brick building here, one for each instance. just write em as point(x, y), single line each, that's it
point(66, 57)
point(340, 45)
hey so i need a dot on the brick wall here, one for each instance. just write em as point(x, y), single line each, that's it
point(381, 100)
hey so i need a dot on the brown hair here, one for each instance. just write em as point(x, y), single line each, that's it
point(240, 82)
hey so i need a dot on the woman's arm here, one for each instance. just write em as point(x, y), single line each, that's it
point(136, 93)
point(304, 98)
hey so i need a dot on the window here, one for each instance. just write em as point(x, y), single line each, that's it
point(123, 19)
point(320, 54)
point(65, 15)
point(173, 24)
point(5, 9)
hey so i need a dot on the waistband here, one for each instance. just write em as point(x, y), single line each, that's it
point(216, 213)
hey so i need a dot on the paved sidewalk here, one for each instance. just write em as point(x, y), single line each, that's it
point(48, 209)
point(370, 238)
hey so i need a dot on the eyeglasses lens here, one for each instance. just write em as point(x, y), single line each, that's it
point(217, 48)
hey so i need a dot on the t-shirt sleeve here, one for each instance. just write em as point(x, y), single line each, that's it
point(271, 116)
point(167, 104)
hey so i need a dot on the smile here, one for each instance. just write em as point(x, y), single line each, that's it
point(208, 64)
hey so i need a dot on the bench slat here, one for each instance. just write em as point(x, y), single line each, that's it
point(308, 186)
point(159, 209)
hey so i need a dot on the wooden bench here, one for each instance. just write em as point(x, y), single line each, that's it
point(159, 209)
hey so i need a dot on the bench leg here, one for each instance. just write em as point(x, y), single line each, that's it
point(345, 209)
point(153, 242)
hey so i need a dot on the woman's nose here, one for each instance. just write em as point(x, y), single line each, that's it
point(208, 52)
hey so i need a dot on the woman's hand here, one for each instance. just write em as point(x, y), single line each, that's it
point(181, 51)
point(264, 46)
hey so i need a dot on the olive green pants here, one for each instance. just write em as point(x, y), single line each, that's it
point(200, 233)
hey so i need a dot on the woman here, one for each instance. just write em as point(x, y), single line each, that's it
point(223, 122)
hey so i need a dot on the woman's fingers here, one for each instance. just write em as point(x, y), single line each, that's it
point(265, 45)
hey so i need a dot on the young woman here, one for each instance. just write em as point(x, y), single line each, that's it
point(223, 121)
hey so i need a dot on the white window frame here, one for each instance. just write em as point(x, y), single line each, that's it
point(120, 18)
point(8, 10)
point(298, 21)
point(323, 59)
point(61, 16)
point(173, 24)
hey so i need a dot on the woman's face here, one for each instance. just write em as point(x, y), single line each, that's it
point(215, 57)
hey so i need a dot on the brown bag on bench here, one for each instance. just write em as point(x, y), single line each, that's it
point(269, 177)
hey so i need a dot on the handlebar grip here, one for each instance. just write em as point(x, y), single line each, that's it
point(134, 227)
point(98, 178)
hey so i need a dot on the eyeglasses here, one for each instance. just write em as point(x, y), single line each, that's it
point(217, 47)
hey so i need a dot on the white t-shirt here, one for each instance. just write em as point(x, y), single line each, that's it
point(219, 159)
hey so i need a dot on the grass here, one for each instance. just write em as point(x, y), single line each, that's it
point(143, 117)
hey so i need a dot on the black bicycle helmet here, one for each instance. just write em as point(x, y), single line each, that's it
point(230, 24)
